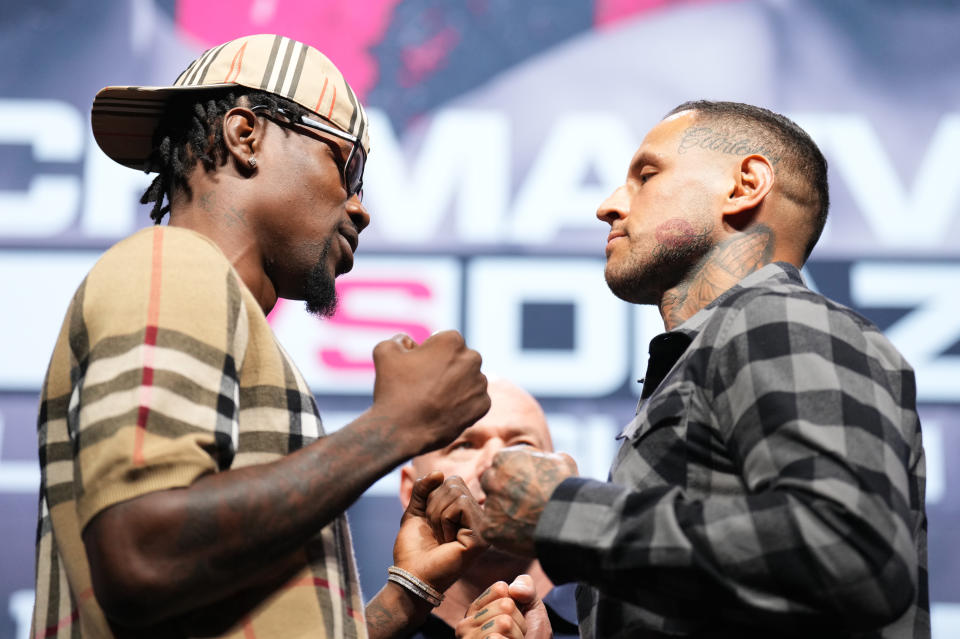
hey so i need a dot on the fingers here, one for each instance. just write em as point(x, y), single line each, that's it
point(493, 613)
point(451, 337)
point(455, 515)
point(448, 506)
point(404, 341)
point(399, 342)
point(523, 591)
point(445, 508)
point(422, 488)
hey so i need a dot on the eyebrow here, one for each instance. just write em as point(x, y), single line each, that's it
point(521, 431)
point(644, 158)
point(510, 430)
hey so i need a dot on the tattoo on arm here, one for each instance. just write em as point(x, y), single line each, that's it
point(277, 503)
point(378, 617)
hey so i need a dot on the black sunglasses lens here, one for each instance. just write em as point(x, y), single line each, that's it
point(354, 171)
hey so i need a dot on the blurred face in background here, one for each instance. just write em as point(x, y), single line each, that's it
point(515, 418)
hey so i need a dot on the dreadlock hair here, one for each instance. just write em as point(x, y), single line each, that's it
point(191, 130)
point(791, 148)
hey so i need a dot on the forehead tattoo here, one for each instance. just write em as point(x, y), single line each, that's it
point(730, 142)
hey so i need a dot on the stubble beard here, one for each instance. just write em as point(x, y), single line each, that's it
point(321, 290)
point(643, 278)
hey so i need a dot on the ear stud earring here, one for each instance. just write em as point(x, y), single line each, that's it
point(252, 162)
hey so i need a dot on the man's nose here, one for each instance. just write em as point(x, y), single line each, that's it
point(490, 449)
point(615, 207)
point(358, 213)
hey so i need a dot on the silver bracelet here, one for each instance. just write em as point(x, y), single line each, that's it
point(415, 585)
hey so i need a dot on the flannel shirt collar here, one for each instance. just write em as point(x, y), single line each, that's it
point(667, 348)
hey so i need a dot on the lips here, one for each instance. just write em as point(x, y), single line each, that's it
point(613, 236)
point(349, 240)
point(352, 238)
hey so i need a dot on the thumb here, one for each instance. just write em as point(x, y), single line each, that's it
point(523, 592)
point(405, 341)
point(421, 490)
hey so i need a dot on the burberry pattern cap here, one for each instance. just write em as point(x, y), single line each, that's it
point(124, 118)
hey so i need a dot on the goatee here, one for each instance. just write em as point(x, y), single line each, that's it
point(321, 290)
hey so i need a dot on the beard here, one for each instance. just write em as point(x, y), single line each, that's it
point(321, 290)
point(642, 277)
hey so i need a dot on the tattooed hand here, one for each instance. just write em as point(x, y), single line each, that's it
point(513, 611)
point(518, 485)
point(437, 540)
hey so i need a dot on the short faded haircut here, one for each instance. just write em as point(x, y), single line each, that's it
point(797, 153)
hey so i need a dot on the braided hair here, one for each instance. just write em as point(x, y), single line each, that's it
point(190, 131)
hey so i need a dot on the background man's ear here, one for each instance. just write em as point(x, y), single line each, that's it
point(407, 479)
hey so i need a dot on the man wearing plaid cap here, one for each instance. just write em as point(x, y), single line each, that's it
point(188, 488)
point(772, 481)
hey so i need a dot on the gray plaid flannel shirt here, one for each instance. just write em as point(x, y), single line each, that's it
point(771, 486)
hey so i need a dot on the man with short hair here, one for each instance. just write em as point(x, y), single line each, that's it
point(772, 481)
point(188, 488)
point(515, 418)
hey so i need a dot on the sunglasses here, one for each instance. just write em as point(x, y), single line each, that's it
point(351, 171)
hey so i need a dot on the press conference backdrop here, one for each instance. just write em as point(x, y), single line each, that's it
point(498, 127)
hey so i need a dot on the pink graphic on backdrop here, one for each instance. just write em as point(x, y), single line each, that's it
point(607, 12)
point(344, 30)
point(335, 358)
point(277, 310)
point(421, 60)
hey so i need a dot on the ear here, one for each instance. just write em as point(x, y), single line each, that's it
point(752, 182)
point(241, 135)
point(407, 480)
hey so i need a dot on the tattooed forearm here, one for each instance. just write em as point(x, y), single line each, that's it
point(731, 142)
point(379, 619)
point(192, 533)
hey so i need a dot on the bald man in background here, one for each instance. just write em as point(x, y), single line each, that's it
point(515, 419)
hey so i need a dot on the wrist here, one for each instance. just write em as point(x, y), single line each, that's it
point(393, 423)
point(383, 424)
point(415, 585)
point(410, 607)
